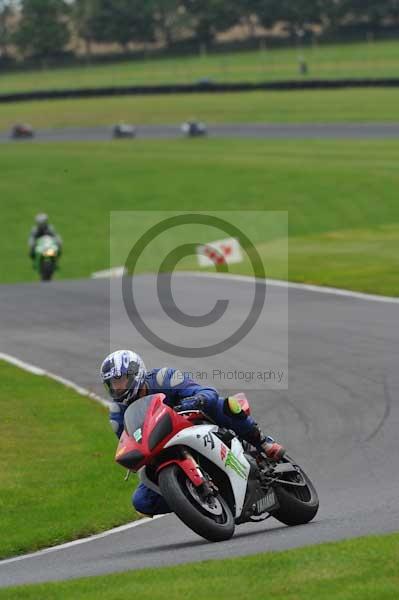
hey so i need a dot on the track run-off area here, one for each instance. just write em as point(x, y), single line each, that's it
point(339, 416)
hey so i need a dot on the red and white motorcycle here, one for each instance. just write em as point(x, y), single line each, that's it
point(208, 477)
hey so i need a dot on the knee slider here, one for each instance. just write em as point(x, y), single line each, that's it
point(116, 418)
point(232, 408)
point(115, 425)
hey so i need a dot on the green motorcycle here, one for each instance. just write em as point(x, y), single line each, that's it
point(47, 253)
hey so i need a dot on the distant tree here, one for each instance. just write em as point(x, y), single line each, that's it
point(42, 31)
point(334, 12)
point(393, 10)
point(365, 12)
point(83, 14)
point(211, 17)
point(296, 14)
point(123, 21)
point(6, 12)
point(171, 20)
point(269, 12)
point(248, 11)
point(370, 11)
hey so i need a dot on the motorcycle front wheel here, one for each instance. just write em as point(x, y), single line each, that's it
point(47, 268)
point(212, 520)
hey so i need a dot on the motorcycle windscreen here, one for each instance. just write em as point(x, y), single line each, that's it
point(135, 416)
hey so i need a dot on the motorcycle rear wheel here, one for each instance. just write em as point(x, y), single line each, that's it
point(298, 505)
point(175, 488)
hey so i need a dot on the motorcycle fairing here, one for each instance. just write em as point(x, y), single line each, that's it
point(231, 461)
point(148, 424)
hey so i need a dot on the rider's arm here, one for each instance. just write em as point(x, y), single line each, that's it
point(32, 239)
point(116, 414)
point(55, 235)
point(226, 412)
point(178, 385)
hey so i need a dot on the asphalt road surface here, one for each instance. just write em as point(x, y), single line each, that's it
point(339, 416)
point(255, 130)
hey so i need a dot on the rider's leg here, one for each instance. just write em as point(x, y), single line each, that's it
point(227, 412)
point(148, 502)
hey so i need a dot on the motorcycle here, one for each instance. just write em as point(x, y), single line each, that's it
point(46, 257)
point(194, 129)
point(210, 479)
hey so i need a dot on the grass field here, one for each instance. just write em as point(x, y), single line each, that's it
point(380, 59)
point(322, 106)
point(359, 569)
point(341, 199)
point(58, 479)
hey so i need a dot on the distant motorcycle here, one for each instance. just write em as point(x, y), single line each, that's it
point(46, 257)
point(208, 477)
point(22, 131)
point(124, 131)
point(194, 129)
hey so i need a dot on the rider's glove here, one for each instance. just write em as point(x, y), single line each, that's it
point(191, 403)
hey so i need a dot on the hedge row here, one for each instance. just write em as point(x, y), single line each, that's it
point(205, 87)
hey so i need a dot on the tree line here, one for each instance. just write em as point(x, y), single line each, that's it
point(45, 28)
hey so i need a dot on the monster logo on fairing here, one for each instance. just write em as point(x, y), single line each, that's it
point(234, 463)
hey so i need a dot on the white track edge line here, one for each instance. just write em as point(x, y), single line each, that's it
point(299, 286)
point(91, 538)
point(277, 283)
point(41, 372)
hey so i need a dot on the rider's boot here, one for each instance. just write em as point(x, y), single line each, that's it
point(266, 445)
point(273, 450)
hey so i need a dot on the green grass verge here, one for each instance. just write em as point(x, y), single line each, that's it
point(326, 61)
point(341, 198)
point(359, 569)
point(320, 106)
point(58, 480)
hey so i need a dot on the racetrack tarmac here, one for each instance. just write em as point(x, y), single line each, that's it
point(339, 417)
point(254, 130)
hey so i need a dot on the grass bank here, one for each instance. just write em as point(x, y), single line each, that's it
point(341, 198)
point(378, 59)
point(58, 479)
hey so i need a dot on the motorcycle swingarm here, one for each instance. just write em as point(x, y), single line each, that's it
point(282, 468)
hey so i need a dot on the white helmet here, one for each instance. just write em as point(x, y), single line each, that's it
point(120, 363)
point(41, 220)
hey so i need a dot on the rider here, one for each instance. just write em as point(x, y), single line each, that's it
point(42, 228)
point(126, 379)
